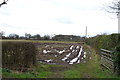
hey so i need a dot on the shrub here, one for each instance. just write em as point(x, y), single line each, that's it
point(104, 41)
point(117, 60)
point(18, 55)
point(110, 42)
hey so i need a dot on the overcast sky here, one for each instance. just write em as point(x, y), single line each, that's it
point(57, 17)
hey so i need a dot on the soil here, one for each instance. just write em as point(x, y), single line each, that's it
point(53, 53)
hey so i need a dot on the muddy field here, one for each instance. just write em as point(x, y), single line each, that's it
point(61, 53)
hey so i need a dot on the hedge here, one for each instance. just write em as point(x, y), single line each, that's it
point(18, 55)
point(116, 41)
point(109, 42)
point(104, 41)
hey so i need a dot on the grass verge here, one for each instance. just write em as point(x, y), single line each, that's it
point(40, 71)
point(90, 69)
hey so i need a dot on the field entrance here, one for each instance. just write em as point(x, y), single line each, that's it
point(71, 60)
point(63, 56)
point(61, 53)
point(63, 60)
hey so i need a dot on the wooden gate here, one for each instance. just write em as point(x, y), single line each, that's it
point(107, 59)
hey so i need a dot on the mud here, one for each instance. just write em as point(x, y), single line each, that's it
point(61, 53)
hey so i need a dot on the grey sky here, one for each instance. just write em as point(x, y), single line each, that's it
point(57, 17)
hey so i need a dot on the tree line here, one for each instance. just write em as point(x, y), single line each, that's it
point(28, 36)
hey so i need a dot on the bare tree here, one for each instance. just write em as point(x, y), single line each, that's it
point(115, 7)
point(13, 36)
point(4, 2)
point(27, 36)
point(1, 34)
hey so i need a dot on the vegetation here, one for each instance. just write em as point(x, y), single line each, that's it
point(68, 38)
point(109, 42)
point(45, 37)
point(104, 41)
point(90, 69)
point(117, 60)
point(18, 55)
point(39, 71)
point(100, 41)
point(115, 7)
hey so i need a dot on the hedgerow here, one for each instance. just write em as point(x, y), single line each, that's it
point(109, 42)
point(18, 55)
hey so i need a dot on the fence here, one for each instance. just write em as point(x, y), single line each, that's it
point(107, 59)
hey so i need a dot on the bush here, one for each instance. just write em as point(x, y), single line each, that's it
point(109, 42)
point(18, 55)
point(104, 41)
point(117, 60)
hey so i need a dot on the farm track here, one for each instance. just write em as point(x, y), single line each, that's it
point(60, 53)
point(58, 71)
point(66, 55)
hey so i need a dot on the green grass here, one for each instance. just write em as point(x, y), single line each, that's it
point(14, 75)
point(40, 71)
point(91, 69)
point(26, 75)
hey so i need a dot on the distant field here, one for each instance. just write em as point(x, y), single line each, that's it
point(42, 41)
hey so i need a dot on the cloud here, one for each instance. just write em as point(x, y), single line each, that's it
point(65, 20)
point(9, 26)
point(55, 17)
point(4, 13)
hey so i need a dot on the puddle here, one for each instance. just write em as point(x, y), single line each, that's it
point(73, 50)
point(84, 54)
point(67, 55)
point(82, 58)
point(64, 58)
point(45, 51)
point(71, 47)
point(55, 55)
point(60, 52)
point(75, 59)
point(78, 61)
point(77, 47)
point(48, 60)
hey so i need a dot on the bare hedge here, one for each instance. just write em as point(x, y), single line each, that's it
point(18, 55)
